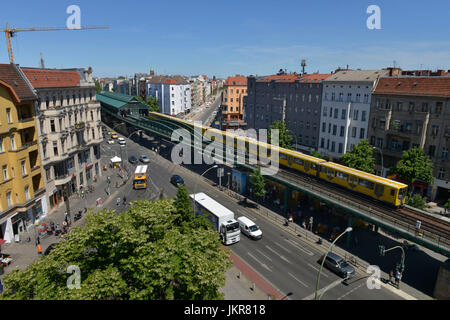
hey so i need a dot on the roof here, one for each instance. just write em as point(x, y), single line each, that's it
point(119, 100)
point(414, 86)
point(168, 80)
point(211, 204)
point(281, 78)
point(357, 75)
point(51, 78)
point(315, 77)
point(15, 81)
point(236, 81)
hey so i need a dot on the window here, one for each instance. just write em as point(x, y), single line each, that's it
point(48, 174)
point(329, 128)
point(322, 142)
point(342, 131)
point(27, 193)
point(365, 183)
point(5, 172)
point(13, 144)
point(331, 112)
point(362, 133)
point(333, 146)
point(325, 111)
point(441, 173)
point(372, 140)
point(438, 107)
point(341, 175)
point(363, 116)
point(341, 148)
point(424, 107)
point(366, 98)
point(358, 97)
point(333, 96)
point(1, 145)
point(334, 130)
point(399, 106)
point(411, 106)
point(52, 125)
point(444, 153)
point(355, 115)
point(8, 199)
point(431, 150)
point(349, 97)
point(55, 148)
point(343, 114)
point(354, 132)
point(382, 123)
point(336, 113)
point(298, 161)
point(8, 115)
point(435, 130)
point(341, 96)
point(380, 143)
point(24, 169)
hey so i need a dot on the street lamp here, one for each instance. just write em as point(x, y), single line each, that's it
point(349, 229)
point(195, 187)
point(381, 152)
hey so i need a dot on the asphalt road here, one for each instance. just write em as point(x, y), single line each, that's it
point(206, 113)
point(286, 261)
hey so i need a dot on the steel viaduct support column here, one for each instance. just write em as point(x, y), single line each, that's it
point(287, 196)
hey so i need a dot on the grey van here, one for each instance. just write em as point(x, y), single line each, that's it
point(338, 265)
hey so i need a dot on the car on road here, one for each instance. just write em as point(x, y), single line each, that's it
point(114, 135)
point(122, 141)
point(110, 141)
point(144, 159)
point(338, 265)
point(132, 159)
point(177, 181)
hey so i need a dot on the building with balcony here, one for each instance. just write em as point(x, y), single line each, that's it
point(22, 188)
point(68, 125)
point(172, 92)
point(345, 111)
point(291, 97)
point(232, 105)
point(408, 112)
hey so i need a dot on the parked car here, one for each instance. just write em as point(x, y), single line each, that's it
point(177, 180)
point(132, 159)
point(122, 141)
point(338, 265)
point(110, 141)
point(144, 159)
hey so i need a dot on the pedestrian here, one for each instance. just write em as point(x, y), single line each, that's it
point(304, 224)
point(118, 201)
point(391, 276)
point(39, 249)
point(38, 240)
point(398, 276)
point(124, 200)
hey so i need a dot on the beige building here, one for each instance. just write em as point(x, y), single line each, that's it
point(408, 112)
point(69, 129)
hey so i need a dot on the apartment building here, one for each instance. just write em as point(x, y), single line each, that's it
point(172, 92)
point(294, 98)
point(232, 105)
point(69, 129)
point(345, 112)
point(22, 188)
point(408, 112)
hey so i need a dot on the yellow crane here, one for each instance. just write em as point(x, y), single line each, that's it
point(11, 32)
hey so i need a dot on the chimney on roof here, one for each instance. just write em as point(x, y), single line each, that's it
point(303, 64)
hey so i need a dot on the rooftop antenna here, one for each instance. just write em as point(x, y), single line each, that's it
point(303, 64)
point(41, 63)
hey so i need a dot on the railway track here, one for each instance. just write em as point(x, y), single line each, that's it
point(432, 228)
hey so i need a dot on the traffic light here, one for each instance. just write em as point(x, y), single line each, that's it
point(381, 248)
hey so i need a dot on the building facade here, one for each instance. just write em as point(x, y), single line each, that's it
point(172, 92)
point(290, 97)
point(408, 112)
point(22, 188)
point(69, 129)
point(232, 104)
point(345, 111)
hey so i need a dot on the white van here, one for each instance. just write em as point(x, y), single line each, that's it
point(122, 141)
point(249, 228)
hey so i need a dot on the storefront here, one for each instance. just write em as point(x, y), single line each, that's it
point(89, 173)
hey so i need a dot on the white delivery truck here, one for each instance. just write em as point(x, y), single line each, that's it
point(222, 219)
point(249, 228)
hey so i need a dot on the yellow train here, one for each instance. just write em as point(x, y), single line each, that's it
point(379, 188)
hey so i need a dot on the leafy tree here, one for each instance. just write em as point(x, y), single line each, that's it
point(151, 102)
point(284, 137)
point(414, 166)
point(316, 154)
point(183, 205)
point(257, 182)
point(139, 254)
point(98, 89)
point(416, 201)
point(360, 157)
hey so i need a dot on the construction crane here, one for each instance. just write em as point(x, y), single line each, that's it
point(11, 32)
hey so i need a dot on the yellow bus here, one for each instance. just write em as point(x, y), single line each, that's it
point(140, 177)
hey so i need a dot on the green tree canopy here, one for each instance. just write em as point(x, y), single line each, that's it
point(360, 157)
point(414, 166)
point(151, 102)
point(416, 201)
point(138, 254)
point(316, 154)
point(257, 182)
point(97, 87)
point(183, 205)
point(284, 136)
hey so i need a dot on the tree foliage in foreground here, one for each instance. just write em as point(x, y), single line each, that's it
point(360, 157)
point(140, 254)
point(414, 166)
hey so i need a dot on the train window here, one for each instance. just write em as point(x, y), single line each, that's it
point(283, 156)
point(366, 184)
point(402, 193)
point(341, 175)
point(298, 161)
point(313, 166)
point(393, 192)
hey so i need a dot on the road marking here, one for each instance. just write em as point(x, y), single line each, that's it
point(282, 247)
point(264, 255)
point(354, 289)
point(330, 286)
point(298, 280)
point(262, 264)
point(323, 274)
point(299, 247)
point(278, 254)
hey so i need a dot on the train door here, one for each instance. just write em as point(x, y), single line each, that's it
point(306, 165)
point(379, 190)
point(353, 181)
point(330, 173)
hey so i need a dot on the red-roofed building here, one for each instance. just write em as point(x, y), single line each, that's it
point(232, 106)
point(408, 112)
point(68, 127)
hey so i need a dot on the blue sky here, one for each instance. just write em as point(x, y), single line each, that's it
point(224, 38)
